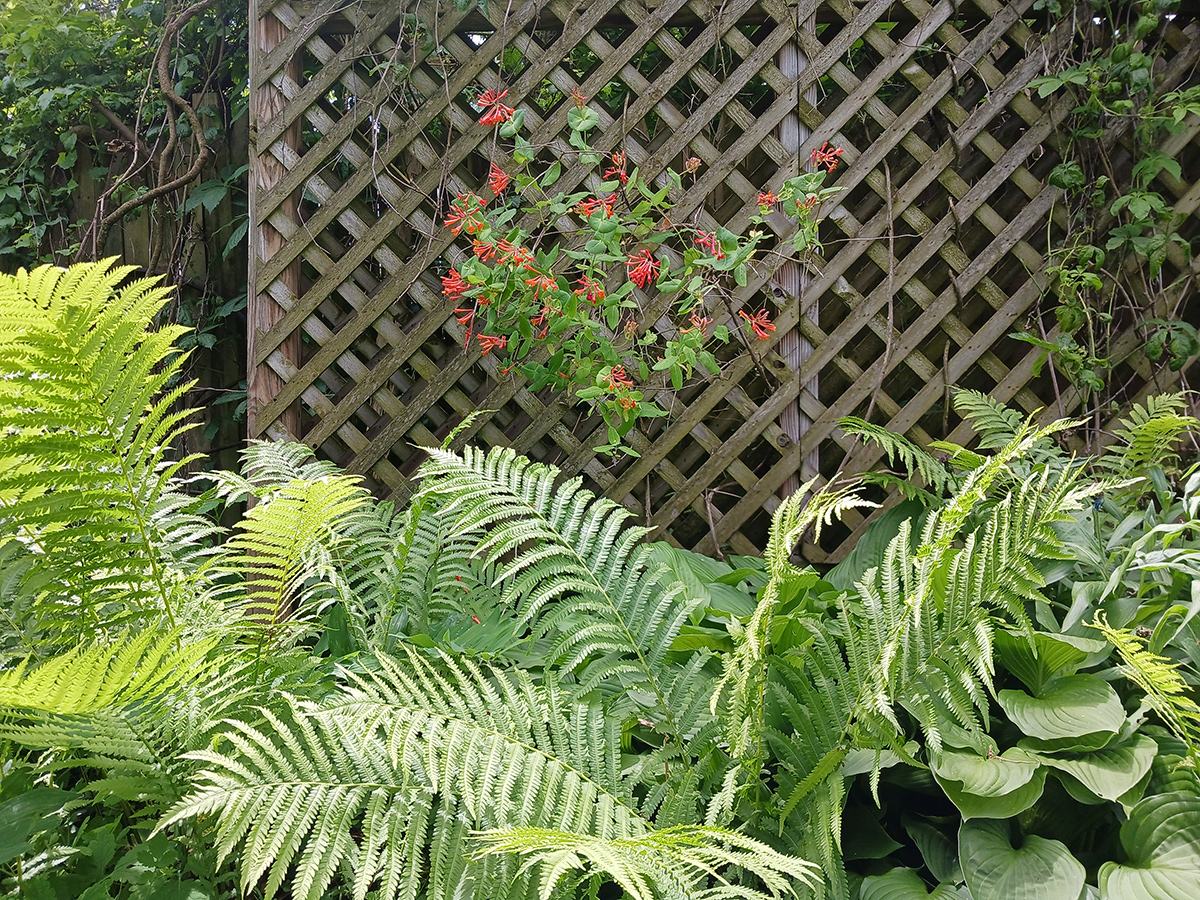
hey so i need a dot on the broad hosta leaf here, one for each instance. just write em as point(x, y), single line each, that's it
point(1078, 712)
point(1055, 653)
point(1162, 840)
point(938, 849)
point(990, 787)
point(906, 884)
point(1039, 869)
point(1112, 772)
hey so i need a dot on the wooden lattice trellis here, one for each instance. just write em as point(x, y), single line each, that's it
point(934, 255)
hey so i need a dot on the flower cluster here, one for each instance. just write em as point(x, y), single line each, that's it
point(565, 310)
point(495, 112)
point(643, 268)
point(759, 323)
point(826, 157)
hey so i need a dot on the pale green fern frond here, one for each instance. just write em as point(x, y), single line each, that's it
point(682, 863)
point(1166, 691)
point(87, 417)
point(900, 449)
point(284, 546)
point(104, 675)
point(995, 423)
point(740, 692)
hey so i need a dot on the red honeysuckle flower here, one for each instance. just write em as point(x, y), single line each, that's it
point(484, 250)
point(643, 268)
point(759, 322)
point(578, 98)
point(497, 179)
point(585, 208)
point(692, 165)
point(540, 282)
point(591, 290)
point(710, 243)
point(497, 113)
point(619, 379)
point(618, 167)
point(490, 342)
point(699, 321)
point(466, 317)
point(826, 157)
point(465, 215)
point(766, 199)
point(453, 285)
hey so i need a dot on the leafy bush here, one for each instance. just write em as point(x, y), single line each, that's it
point(502, 691)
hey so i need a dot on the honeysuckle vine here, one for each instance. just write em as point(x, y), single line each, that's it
point(571, 289)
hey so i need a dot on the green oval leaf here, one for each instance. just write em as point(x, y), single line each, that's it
point(1039, 869)
point(1111, 772)
point(1076, 712)
point(990, 788)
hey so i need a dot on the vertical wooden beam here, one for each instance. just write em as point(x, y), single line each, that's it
point(262, 312)
point(792, 279)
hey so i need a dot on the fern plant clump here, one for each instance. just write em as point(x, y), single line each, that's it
point(502, 690)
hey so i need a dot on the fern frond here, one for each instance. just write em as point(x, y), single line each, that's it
point(104, 675)
point(681, 862)
point(413, 754)
point(548, 538)
point(740, 692)
point(87, 417)
point(1165, 689)
point(1150, 435)
point(283, 550)
point(995, 423)
point(900, 449)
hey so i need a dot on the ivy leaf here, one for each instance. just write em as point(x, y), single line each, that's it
point(1040, 869)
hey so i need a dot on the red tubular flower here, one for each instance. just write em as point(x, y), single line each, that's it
point(497, 113)
point(483, 249)
point(643, 268)
point(618, 378)
point(540, 282)
point(577, 98)
point(497, 180)
point(618, 167)
point(512, 254)
point(699, 321)
point(760, 323)
point(692, 165)
point(766, 199)
point(488, 343)
point(465, 214)
point(591, 290)
point(453, 285)
point(710, 243)
point(585, 208)
point(826, 157)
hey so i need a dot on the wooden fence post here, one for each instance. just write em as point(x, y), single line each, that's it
point(262, 312)
point(792, 278)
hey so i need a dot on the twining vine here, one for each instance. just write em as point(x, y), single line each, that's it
point(1119, 263)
